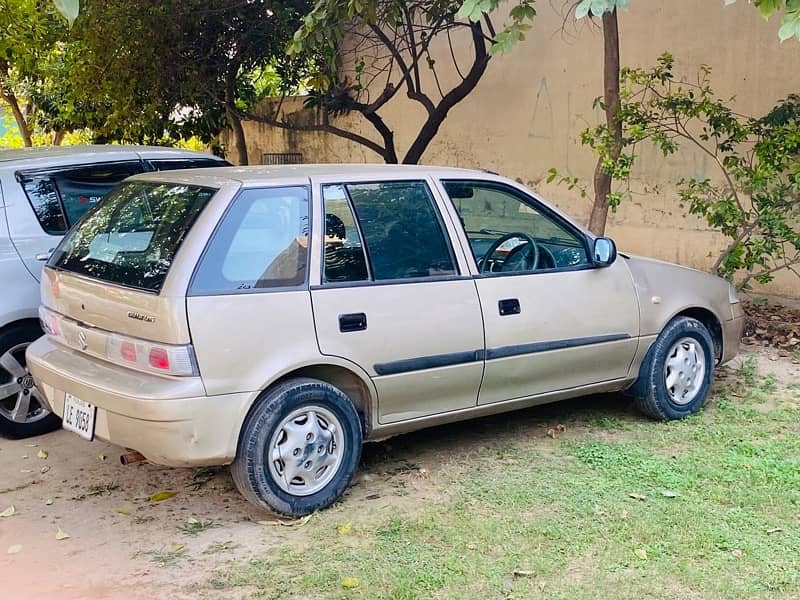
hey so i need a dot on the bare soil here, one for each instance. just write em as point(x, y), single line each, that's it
point(123, 545)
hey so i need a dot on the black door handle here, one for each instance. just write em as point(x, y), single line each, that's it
point(352, 322)
point(509, 306)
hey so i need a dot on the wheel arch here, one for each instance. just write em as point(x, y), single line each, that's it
point(711, 322)
point(347, 377)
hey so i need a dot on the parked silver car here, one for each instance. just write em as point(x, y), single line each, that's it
point(273, 318)
point(43, 192)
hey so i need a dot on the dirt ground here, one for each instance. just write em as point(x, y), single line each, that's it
point(121, 542)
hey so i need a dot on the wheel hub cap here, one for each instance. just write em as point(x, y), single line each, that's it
point(305, 451)
point(684, 370)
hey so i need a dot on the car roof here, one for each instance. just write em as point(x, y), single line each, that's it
point(91, 153)
point(266, 175)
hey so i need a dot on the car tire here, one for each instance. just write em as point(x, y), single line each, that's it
point(676, 376)
point(38, 420)
point(299, 448)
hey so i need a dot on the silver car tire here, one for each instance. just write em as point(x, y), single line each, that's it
point(675, 378)
point(21, 413)
point(299, 448)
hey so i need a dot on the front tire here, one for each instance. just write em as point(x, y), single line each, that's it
point(676, 377)
point(21, 411)
point(299, 448)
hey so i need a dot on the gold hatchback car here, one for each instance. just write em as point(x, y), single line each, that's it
point(275, 318)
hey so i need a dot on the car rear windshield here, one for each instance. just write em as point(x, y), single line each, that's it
point(131, 237)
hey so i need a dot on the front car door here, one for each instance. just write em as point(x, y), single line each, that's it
point(553, 320)
point(395, 297)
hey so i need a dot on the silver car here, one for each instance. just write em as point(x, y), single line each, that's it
point(43, 192)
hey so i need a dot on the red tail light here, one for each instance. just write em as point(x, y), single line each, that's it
point(128, 351)
point(159, 358)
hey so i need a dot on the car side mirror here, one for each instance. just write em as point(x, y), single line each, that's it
point(604, 252)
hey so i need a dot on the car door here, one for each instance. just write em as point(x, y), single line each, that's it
point(47, 202)
point(395, 298)
point(553, 320)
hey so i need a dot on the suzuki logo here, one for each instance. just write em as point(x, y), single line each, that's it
point(82, 340)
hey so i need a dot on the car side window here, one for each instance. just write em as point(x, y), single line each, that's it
point(262, 242)
point(344, 252)
point(61, 197)
point(508, 232)
point(402, 231)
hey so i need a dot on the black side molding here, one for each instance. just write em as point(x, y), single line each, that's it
point(506, 351)
point(428, 362)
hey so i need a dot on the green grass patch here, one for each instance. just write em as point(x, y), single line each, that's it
point(705, 507)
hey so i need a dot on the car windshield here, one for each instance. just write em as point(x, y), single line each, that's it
point(131, 237)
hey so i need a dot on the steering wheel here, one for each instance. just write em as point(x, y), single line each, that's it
point(533, 255)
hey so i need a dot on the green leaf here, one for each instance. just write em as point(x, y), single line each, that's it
point(68, 8)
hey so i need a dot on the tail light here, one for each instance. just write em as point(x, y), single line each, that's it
point(134, 353)
point(152, 357)
point(50, 322)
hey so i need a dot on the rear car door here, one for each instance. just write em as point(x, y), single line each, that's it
point(51, 200)
point(553, 320)
point(395, 297)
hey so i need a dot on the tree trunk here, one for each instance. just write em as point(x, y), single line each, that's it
point(19, 117)
point(611, 104)
point(239, 142)
point(58, 137)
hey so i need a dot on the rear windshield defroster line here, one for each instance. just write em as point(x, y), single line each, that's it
point(131, 237)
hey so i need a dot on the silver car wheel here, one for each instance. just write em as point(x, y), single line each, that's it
point(684, 370)
point(305, 450)
point(20, 401)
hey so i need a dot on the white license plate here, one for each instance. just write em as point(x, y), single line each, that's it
point(79, 417)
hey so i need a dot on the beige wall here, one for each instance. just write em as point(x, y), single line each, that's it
point(526, 114)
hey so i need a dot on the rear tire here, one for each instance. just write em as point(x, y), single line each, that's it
point(676, 376)
point(299, 448)
point(17, 387)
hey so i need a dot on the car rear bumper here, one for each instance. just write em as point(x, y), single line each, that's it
point(169, 420)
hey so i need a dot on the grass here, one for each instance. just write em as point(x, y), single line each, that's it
point(715, 514)
point(194, 526)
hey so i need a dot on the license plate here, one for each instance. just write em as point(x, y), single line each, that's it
point(79, 417)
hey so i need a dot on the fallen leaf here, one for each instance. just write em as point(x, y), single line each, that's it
point(26, 470)
point(14, 549)
point(176, 547)
point(345, 529)
point(295, 523)
point(161, 496)
point(737, 553)
point(42, 454)
point(48, 502)
point(61, 534)
point(349, 583)
point(101, 456)
point(641, 553)
point(669, 494)
point(561, 428)
point(775, 530)
point(551, 433)
point(44, 469)
point(523, 573)
point(10, 511)
point(192, 521)
point(640, 497)
point(124, 511)
point(31, 445)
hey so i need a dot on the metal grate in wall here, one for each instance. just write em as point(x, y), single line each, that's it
point(282, 158)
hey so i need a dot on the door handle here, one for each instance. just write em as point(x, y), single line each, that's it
point(509, 306)
point(45, 256)
point(352, 322)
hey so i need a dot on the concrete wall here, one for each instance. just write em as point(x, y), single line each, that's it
point(526, 114)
